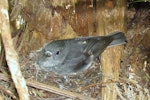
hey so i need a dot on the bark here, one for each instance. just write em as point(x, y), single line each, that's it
point(110, 16)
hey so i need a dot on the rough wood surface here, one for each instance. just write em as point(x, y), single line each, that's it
point(110, 16)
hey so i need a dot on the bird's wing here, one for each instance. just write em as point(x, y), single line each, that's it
point(76, 59)
point(95, 45)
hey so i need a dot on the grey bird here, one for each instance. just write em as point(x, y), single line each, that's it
point(75, 55)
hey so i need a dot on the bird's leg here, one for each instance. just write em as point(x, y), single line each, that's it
point(99, 59)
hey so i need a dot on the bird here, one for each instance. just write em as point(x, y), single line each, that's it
point(74, 55)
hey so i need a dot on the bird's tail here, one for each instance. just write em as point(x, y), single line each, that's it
point(118, 38)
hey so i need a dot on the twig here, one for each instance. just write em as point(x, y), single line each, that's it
point(51, 89)
point(11, 55)
point(4, 77)
point(8, 93)
point(91, 85)
point(102, 84)
point(57, 90)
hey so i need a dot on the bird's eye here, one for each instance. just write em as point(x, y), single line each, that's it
point(57, 53)
point(48, 53)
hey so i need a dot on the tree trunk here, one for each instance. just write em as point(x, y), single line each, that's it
point(110, 15)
